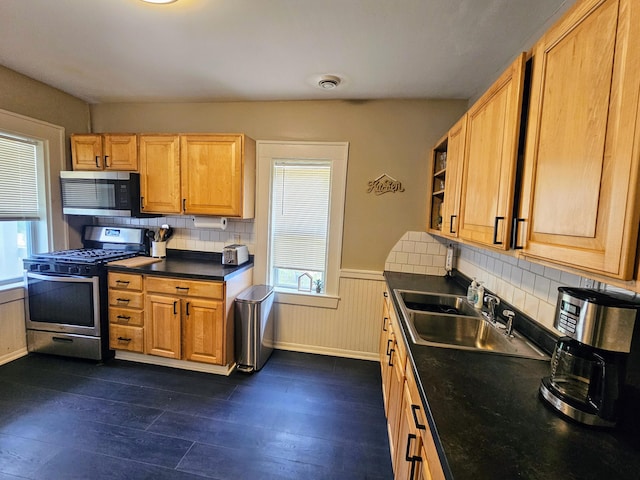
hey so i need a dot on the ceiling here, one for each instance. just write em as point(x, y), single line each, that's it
point(232, 50)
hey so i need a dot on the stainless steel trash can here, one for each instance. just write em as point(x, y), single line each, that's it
point(254, 330)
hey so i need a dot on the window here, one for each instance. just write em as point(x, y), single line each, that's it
point(301, 191)
point(19, 204)
point(33, 153)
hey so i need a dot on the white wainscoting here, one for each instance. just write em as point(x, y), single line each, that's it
point(13, 337)
point(352, 330)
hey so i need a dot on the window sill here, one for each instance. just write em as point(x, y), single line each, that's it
point(306, 299)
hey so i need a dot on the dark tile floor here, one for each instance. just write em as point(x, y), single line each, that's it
point(301, 417)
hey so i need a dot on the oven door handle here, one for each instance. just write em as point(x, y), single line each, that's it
point(58, 278)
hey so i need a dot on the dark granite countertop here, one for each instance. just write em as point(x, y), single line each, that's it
point(189, 264)
point(489, 422)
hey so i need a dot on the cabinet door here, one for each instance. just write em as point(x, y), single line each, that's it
point(408, 441)
point(86, 152)
point(162, 326)
point(160, 174)
point(121, 152)
point(212, 174)
point(580, 194)
point(489, 166)
point(203, 330)
point(455, 156)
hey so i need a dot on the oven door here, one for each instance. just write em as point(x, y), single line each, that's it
point(59, 303)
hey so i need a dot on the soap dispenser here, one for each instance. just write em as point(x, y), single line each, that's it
point(479, 296)
point(472, 292)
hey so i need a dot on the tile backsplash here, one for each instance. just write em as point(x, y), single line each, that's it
point(528, 286)
point(187, 237)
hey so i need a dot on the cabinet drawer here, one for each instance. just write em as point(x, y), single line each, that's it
point(122, 337)
point(120, 298)
point(125, 281)
point(190, 288)
point(126, 316)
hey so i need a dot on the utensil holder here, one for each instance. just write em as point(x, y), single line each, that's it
point(159, 249)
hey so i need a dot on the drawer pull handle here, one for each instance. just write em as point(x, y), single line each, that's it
point(384, 324)
point(124, 317)
point(62, 339)
point(123, 300)
point(495, 231)
point(188, 308)
point(385, 294)
point(125, 340)
point(419, 425)
point(122, 282)
point(388, 344)
point(410, 437)
point(182, 288)
point(391, 357)
point(514, 235)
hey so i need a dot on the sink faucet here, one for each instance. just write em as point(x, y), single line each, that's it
point(492, 302)
point(510, 315)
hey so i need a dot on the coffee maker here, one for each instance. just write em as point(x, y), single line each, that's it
point(588, 366)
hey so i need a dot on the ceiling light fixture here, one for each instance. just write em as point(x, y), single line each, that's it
point(329, 82)
point(159, 1)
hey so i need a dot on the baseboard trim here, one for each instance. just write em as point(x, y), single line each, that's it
point(10, 357)
point(170, 362)
point(333, 352)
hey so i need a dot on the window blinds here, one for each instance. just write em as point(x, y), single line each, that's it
point(18, 180)
point(300, 215)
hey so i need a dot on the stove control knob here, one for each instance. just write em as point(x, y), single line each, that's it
point(44, 268)
point(74, 269)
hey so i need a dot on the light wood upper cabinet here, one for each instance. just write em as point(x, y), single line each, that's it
point(104, 152)
point(453, 180)
point(160, 174)
point(490, 159)
point(218, 175)
point(580, 202)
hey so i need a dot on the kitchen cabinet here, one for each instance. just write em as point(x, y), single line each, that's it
point(393, 354)
point(198, 174)
point(411, 443)
point(104, 152)
point(580, 203)
point(447, 169)
point(126, 315)
point(160, 174)
point(490, 159)
point(185, 319)
point(218, 175)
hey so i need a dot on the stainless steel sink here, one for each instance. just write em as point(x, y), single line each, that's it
point(435, 303)
point(462, 327)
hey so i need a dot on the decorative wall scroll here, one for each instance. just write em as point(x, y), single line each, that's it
point(385, 184)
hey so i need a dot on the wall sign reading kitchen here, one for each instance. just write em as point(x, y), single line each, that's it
point(385, 184)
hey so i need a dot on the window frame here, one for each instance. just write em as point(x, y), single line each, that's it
point(267, 153)
point(53, 230)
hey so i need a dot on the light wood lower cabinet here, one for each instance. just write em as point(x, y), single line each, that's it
point(175, 318)
point(187, 325)
point(126, 315)
point(411, 443)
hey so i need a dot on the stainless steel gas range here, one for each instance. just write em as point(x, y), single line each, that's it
point(66, 306)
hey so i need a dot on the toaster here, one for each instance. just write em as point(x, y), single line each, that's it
point(235, 254)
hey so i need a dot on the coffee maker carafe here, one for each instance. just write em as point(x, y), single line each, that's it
point(588, 366)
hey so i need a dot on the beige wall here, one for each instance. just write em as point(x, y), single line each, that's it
point(388, 136)
point(25, 96)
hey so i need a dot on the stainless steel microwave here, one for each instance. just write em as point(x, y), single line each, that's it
point(112, 194)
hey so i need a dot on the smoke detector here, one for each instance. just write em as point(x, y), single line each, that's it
point(329, 82)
